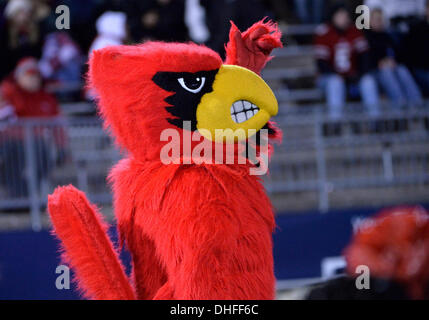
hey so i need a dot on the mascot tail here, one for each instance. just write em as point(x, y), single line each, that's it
point(87, 247)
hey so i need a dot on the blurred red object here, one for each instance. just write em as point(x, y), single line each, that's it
point(394, 245)
point(25, 97)
point(24, 91)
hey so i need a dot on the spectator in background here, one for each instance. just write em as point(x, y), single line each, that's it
point(83, 14)
point(343, 63)
point(24, 91)
point(219, 13)
point(416, 49)
point(396, 11)
point(156, 20)
point(310, 11)
point(282, 10)
point(195, 19)
point(394, 78)
point(20, 34)
point(61, 59)
point(23, 95)
point(111, 30)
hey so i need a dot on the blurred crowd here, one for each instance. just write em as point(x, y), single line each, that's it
point(40, 63)
point(28, 30)
point(388, 58)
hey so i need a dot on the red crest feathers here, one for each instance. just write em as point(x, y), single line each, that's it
point(252, 48)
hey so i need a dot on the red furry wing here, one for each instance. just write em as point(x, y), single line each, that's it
point(252, 48)
point(87, 247)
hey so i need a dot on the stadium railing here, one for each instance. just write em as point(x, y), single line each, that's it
point(321, 164)
point(356, 161)
point(38, 154)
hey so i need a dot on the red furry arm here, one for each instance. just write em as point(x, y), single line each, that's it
point(87, 247)
point(252, 48)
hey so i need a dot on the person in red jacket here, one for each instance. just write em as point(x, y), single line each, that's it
point(23, 97)
point(343, 63)
point(24, 91)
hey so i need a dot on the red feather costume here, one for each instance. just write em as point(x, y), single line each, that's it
point(195, 231)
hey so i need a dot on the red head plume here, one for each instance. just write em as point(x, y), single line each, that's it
point(252, 48)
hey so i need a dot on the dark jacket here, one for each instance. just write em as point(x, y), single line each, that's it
point(416, 46)
point(381, 46)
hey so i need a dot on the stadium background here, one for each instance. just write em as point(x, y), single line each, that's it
point(326, 177)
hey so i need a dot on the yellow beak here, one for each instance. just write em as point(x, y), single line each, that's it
point(240, 104)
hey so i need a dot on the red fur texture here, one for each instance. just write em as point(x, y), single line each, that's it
point(209, 226)
point(87, 247)
point(131, 103)
point(196, 231)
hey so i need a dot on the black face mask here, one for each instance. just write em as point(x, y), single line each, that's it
point(184, 102)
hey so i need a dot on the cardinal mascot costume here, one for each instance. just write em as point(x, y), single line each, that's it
point(195, 229)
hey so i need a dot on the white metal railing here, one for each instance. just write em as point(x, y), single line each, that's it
point(363, 152)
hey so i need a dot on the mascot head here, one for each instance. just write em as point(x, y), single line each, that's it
point(145, 89)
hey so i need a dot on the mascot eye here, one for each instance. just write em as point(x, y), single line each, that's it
point(192, 84)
